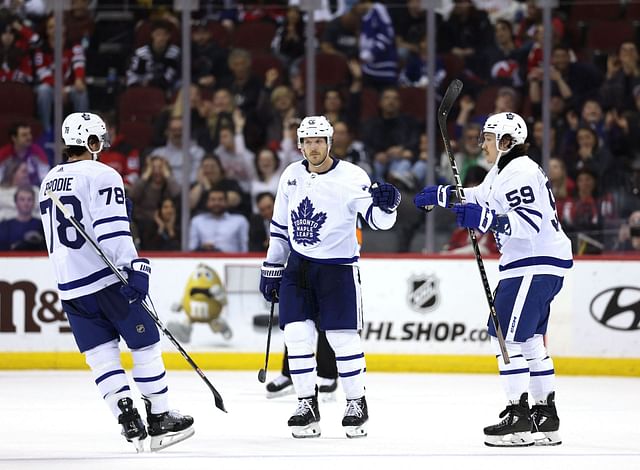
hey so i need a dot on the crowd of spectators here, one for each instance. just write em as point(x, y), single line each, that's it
point(247, 97)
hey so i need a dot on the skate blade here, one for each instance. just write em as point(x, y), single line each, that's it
point(353, 432)
point(281, 393)
point(168, 439)
point(516, 439)
point(550, 438)
point(304, 432)
point(138, 444)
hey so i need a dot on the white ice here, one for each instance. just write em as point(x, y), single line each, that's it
point(56, 420)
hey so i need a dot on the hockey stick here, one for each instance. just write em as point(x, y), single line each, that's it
point(152, 313)
point(450, 96)
point(262, 373)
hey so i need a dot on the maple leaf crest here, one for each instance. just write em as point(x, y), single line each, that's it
point(306, 224)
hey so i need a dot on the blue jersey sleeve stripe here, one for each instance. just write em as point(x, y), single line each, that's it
point(283, 227)
point(536, 260)
point(530, 211)
point(528, 220)
point(279, 235)
point(369, 217)
point(106, 236)
point(85, 281)
point(110, 219)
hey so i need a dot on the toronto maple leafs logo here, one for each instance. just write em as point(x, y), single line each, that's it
point(306, 224)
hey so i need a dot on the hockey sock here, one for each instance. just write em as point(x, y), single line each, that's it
point(149, 375)
point(350, 361)
point(300, 338)
point(541, 365)
point(515, 375)
point(104, 361)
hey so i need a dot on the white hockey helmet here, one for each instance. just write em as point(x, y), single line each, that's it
point(78, 127)
point(503, 124)
point(315, 126)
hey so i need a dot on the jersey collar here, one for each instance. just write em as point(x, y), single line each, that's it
point(335, 163)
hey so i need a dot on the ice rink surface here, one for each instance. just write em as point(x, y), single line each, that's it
point(56, 420)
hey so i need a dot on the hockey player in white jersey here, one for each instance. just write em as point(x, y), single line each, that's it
point(100, 309)
point(515, 202)
point(313, 232)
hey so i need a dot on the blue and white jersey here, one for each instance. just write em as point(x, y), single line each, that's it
point(315, 214)
point(94, 194)
point(535, 243)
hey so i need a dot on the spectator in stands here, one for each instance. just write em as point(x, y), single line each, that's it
point(377, 51)
point(208, 59)
point(218, 230)
point(536, 140)
point(79, 23)
point(268, 171)
point(24, 231)
point(217, 113)
point(236, 159)
point(154, 185)
point(289, 151)
point(409, 24)
point(497, 10)
point(345, 147)
point(334, 106)
point(164, 234)
point(623, 75)
point(16, 176)
point(507, 100)
point(120, 155)
point(260, 223)
point(199, 111)
point(22, 149)
point(211, 175)
point(415, 71)
point(73, 76)
point(242, 83)
point(504, 62)
point(288, 42)
point(276, 108)
point(562, 186)
point(158, 62)
point(468, 156)
point(468, 31)
point(392, 137)
point(588, 152)
point(340, 35)
point(629, 234)
point(15, 61)
point(172, 151)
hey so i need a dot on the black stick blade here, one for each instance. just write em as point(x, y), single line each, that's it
point(450, 96)
point(262, 376)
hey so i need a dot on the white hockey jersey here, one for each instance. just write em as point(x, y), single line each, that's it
point(535, 242)
point(315, 214)
point(94, 194)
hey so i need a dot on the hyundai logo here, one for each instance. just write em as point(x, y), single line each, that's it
point(617, 308)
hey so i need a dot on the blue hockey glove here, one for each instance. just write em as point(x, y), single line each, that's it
point(137, 286)
point(471, 215)
point(431, 196)
point(270, 278)
point(385, 196)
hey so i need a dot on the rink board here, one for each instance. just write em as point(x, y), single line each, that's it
point(421, 314)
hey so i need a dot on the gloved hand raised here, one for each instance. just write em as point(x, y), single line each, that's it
point(471, 215)
point(431, 196)
point(385, 196)
point(137, 286)
point(270, 278)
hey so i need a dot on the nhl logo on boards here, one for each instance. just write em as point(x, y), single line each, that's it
point(424, 294)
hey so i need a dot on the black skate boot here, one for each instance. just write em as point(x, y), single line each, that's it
point(514, 430)
point(355, 418)
point(305, 421)
point(280, 386)
point(546, 422)
point(167, 428)
point(133, 428)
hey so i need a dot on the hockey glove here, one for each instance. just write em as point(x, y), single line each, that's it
point(471, 215)
point(385, 196)
point(270, 278)
point(431, 196)
point(137, 286)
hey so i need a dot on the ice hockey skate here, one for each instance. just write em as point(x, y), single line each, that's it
point(279, 387)
point(546, 423)
point(355, 418)
point(327, 389)
point(305, 421)
point(133, 428)
point(168, 428)
point(514, 430)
